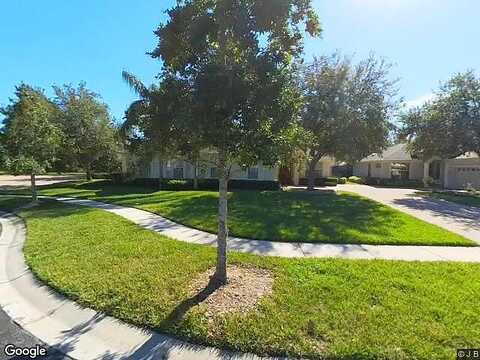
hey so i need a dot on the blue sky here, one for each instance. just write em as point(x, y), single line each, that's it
point(55, 42)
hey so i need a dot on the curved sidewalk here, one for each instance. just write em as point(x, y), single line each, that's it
point(179, 232)
point(80, 333)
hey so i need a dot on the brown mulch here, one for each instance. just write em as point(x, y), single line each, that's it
point(245, 288)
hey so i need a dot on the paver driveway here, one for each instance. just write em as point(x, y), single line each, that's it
point(461, 219)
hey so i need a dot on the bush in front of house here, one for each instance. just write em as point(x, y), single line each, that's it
point(401, 183)
point(207, 184)
point(356, 180)
point(342, 180)
point(328, 181)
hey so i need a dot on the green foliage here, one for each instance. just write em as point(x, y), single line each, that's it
point(342, 180)
point(30, 134)
point(240, 90)
point(207, 184)
point(449, 125)
point(347, 107)
point(90, 135)
point(356, 180)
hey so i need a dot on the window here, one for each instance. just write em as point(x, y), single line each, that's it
point(378, 165)
point(253, 173)
point(213, 172)
point(178, 173)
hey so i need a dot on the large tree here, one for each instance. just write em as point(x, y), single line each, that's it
point(90, 134)
point(149, 127)
point(30, 134)
point(347, 108)
point(234, 59)
point(449, 125)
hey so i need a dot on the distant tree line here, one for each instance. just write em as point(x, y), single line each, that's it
point(71, 131)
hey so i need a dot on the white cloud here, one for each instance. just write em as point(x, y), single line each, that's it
point(419, 101)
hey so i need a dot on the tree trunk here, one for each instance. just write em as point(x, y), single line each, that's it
point(311, 173)
point(221, 268)
point(160, 174)
point(88, 173)
point(195, 176)
point(33, 187)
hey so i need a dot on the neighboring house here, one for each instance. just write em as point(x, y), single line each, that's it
point(396, 162)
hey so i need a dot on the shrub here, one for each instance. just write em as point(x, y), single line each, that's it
point(342, 180)
point(173, 184)
point(207, 184)
point(328, 181)
point(402, 183)
point(356, 179)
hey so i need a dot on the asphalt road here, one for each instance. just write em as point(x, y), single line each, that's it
point(11, 333)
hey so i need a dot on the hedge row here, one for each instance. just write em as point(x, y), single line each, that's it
point(207, 184)
point(326, 181)
point(386, 182)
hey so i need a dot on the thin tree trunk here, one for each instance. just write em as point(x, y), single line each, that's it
point(221, 268)
point(160, 174)
point(195, 177)
point(311, 173)
point(33, 187)
point(88, 173)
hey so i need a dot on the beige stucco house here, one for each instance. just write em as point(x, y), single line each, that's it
point(397, 162)
point(181, 169)
point(323, 169)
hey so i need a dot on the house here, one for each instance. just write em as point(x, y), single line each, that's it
point(180, 169)
point(396, 162)
point(156, 168)
point(323, 169)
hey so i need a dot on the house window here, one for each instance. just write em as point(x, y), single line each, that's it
point(178, 173)
point(253, 173)
point(213, 172)
point(378, 165)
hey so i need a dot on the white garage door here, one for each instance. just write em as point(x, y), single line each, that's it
point(465, 176)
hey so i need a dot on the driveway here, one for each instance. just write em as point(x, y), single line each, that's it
point(8, 182)
point(460, 219)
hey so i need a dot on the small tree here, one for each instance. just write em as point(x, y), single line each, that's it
point(347, 108)
point(31, 136)
point(234, 59)
point(89, 131)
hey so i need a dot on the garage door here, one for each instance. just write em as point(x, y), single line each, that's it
point(465, 176)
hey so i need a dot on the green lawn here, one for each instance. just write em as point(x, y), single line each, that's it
point(320, 308)
point(469, 200)
point(278, 216)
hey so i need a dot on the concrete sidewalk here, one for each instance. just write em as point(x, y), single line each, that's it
point(183, 233)
point(81, 333)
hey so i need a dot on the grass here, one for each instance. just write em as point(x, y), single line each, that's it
point(469, 200)
point(277, 216)
point(320, 308)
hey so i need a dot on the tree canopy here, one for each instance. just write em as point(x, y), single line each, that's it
point(90, 134)
point(449, 125)
point(347, 108)
point(31, 137)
